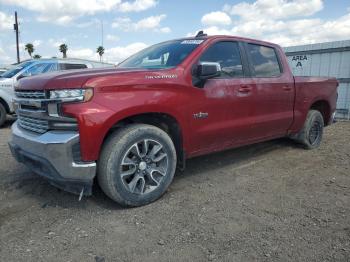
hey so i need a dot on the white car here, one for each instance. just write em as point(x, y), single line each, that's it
point(2, 71)
point(28, 68)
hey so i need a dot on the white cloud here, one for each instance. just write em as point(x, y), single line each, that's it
point(148, 23)
point(63, 12)
point(37, 43)
point(283, 22)
point(165, 30)
point(216, 18)
point(93, 22)
point(111, 55)
point(275, 9)
point(123, 23)
point(119, 53)
point(6, 21)
point(4, 57)
point(137, 5)
point(84, 53)
point(112, 38)
point(56, 42)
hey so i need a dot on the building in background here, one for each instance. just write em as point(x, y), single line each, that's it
point(325, 59)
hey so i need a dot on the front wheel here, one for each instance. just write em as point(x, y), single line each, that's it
point(311, 134)
point(137, 165)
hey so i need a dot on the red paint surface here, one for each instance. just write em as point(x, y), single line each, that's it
point(270, 108)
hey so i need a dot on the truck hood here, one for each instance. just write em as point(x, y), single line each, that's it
point(69, 79)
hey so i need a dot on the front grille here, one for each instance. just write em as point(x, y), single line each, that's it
point(39, 114)
point(33, 124)
point(31, 94)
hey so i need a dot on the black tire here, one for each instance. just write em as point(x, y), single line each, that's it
point(3, 114)
point(310, 136)
point(113, 157)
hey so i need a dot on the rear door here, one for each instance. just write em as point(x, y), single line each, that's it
point(273, 88)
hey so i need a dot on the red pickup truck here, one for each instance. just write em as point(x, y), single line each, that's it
point(133, 125)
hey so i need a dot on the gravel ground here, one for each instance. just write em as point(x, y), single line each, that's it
point(268, 202)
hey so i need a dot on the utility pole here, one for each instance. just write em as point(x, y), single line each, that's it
point(15, 27)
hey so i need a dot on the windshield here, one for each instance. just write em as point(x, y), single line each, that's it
point(12, 72)
point(163, 55)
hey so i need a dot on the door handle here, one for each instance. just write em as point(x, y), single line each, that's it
point(287, 88)
point(244, 89)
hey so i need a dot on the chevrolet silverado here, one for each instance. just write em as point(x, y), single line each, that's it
point(132, 126)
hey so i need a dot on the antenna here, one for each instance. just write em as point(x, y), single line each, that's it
point(200, 34)
point(101, 32)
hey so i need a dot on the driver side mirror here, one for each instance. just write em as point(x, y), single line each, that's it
point(207, 70)
point(204, 71)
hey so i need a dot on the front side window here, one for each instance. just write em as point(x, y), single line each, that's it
point(264, 60)
point(227, 54)
point(163, 55)
point(14, 71)
point(39, 69)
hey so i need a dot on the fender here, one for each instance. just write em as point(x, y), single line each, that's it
point(96, 120)
point(141, 110)
point(301, 113)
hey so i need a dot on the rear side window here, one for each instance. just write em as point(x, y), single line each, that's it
point(264, 60)
point(67, 66)
point(227, 55)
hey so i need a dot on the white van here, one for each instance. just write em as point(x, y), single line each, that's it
point(35, 67)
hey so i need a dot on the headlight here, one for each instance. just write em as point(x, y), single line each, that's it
point(72, 95)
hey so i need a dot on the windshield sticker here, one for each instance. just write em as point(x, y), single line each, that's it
point(161, 77)
point(192, 42)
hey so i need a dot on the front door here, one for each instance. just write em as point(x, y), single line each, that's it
point(220, 115)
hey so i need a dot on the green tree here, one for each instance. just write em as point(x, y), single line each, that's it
point(30, 49)
point(36, 56)
point(63, 49)
point(100, 50)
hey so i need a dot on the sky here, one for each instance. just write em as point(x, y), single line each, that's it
point(131, 25)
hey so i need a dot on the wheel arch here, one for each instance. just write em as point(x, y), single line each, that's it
point(4, 103)
point(324, 108)
point(165, 121)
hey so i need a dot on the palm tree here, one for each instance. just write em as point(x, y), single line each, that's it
point(30, 49)
point(36, 56)
point(100, 50)
point(63, 49)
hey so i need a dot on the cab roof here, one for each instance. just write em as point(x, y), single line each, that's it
point(236, 38)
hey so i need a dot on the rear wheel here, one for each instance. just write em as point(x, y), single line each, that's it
point(311, 134)
point(2, 115)
point(137, 165)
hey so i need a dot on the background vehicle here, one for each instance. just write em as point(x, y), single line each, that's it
point(132, 126)
point(2, 71)
point(33, 67)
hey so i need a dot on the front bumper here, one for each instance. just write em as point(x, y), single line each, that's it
point(53, 155)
